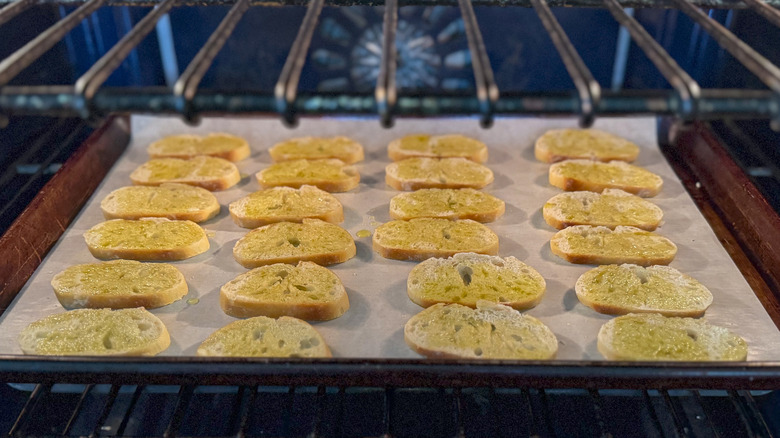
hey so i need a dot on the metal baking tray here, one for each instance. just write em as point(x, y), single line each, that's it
point(373, 327)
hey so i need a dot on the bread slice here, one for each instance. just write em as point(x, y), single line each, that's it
point(170, 200)
point(208, 172)
point(306, 291)
point(610, 208)
point(590, 144)
point(467, 278)
point(265, 337)
point(96, 332)
point(448, 204)
point(331, 175)
point(286, 204)
point(146, 239)
point(595, 176)
point(437, 146)
point(225, 146)
point(310, 240)
point(423, 238)
point(622, 289)
point(119, 284)
point(491, 331)
point(650, 336)
point(313, 148)
point(437, 173)
point(603, 246)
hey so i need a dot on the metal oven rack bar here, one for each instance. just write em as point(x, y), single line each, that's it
point(87, 98)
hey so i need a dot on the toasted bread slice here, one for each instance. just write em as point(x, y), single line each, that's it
point(650, 336)
point(331, 175)
point(584, 244)
point(170, 200)
point(590, 144)
point(265, 337)
point(437, 173)
point(447, 204)
point(610, 208)
point(306, 291)
point(423, 238)
point(491, 331)
point(314, 148)
point(437, 146)
point(467, 278)
point(595, 176)
point(208, 172)
point(286, 204)
point(119, 284)
point(146, 239)
point(290, 242)
point(96, 332)
point(622, 289)
point(225, 146)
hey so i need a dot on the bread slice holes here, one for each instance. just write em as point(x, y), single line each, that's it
point(305, 344)
point(264, 350)
point(314, 341)
point(502, 300)
point(294, 241)
point(465, 273)
point(280, 243)
point(492, 328)
point(477, 352)
point(258, 334)
point(692, 334)
point(446, 234)
point(415, 281)
point(281, 343)
point(517, 338)
point(136, 290)
point(458, 327)
point(144, 326)
point(282, 274)
point(642, 275)
point(107, 342)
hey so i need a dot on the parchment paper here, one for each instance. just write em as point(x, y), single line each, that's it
point(373, 326)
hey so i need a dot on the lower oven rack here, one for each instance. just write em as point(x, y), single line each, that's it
point(384, 411)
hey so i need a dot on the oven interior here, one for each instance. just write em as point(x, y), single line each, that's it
point(486, 59)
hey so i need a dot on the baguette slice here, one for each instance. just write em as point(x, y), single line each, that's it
point(585, 244)
point(491, 331)
point(610, 208)
point(225, 146)
point(146, 239)
point(447, 204)
point(208, 172)
point(590, 144)
point(423, 238)
point(467, 278)
point(119, 284)
point(331, 175)
point(170, 200)
point(306, 291)
point(437, 173)
point(286, 204)
point(311, 240)
point(649, 336)
point(265, 337)
point(594, 176)
point(96, 332)
point(437, 146)
point(313, 148)
point(618, 290)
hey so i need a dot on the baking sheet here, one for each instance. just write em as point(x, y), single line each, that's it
point(373, 326)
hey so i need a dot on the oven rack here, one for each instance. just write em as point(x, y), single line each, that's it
point(686, 99)
point(337, 411)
